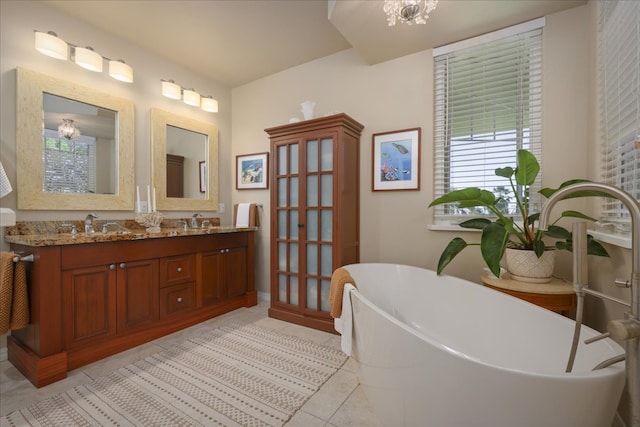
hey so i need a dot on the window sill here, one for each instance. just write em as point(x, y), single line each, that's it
point(450, 227)
point(622, 240)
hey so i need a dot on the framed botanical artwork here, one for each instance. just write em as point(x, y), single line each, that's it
point(203, 177)
point(252, 171)
point(396, 160)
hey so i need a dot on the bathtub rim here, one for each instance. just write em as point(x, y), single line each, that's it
point(612, 370)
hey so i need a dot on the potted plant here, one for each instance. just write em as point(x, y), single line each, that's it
point(505, 231)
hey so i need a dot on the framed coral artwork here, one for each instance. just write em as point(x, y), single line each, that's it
point(396, 160)
point(252, 171)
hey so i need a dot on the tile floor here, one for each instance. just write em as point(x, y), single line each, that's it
point(340, 402)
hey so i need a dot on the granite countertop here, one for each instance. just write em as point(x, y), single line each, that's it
point(57, 233)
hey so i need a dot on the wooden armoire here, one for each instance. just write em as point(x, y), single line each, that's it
point(315, 228)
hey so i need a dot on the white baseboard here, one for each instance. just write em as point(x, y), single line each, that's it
point(3, 354)
point(264, 296)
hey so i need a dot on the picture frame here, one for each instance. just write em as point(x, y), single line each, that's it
point(252, 171)
point(396, 160)
point(203, 176)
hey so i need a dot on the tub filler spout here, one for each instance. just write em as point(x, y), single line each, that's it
point(627, 330)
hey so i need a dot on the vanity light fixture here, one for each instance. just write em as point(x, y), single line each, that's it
point(88, 58)
point(191, 97)
point(120, 71)
point(51, 45)
point(208, 103)
point(68, 130)
point(172, 90)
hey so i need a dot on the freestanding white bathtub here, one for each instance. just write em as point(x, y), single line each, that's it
point(440, 351)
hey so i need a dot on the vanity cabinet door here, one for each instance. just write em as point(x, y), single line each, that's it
point(224, 274)
point(88, 305)
point(236, 274)
point(138, 297)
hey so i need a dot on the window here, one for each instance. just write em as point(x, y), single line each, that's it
point(69, 165)
point(619, 103)
point(488, 93)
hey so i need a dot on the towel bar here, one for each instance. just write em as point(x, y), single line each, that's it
point(23, 258)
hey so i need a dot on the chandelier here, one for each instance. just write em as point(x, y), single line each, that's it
point(408, 11)
point(68, 130)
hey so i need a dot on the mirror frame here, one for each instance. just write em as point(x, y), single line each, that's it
point(159, 121)
point(30, 87)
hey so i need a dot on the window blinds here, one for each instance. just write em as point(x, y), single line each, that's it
point(69, 165)
point(619, 102)
point(487, 106)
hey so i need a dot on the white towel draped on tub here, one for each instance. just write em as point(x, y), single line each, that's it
point(344, 323)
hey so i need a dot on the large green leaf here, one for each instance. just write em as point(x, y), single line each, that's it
point(470, 196)
point(539, 247)
point(558, 232)
point(504, 172)
point(595, 248)
point(547, 192)
point(453, 248)
point(576, 214)
point(528, 168)
point(492, 245)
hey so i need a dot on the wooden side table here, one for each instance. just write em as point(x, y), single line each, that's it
point(556, 295)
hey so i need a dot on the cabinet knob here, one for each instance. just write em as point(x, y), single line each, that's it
point(179, 269)
point(179, 299)
point(112, 266)
point(123, 265)
point(221, 251)
point(227, 251)
point(300, 225)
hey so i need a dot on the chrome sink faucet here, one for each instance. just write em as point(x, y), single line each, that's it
point(88, 223)
point(627, 330)
point(194, 220)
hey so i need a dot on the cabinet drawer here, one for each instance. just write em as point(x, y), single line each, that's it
point(176, 299)
point(177, 269)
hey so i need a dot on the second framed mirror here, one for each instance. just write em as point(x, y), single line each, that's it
point(185, 162)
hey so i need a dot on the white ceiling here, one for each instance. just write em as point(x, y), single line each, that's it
point(237, 41)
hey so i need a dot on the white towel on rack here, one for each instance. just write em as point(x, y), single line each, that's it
point(5, 185)
point(242, 216)
point(344, 323)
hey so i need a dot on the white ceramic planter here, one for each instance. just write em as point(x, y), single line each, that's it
point(525, 266)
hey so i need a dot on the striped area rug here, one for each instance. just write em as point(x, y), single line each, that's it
point(235, 375)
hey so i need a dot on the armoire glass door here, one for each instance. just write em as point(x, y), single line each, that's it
point(305, 193)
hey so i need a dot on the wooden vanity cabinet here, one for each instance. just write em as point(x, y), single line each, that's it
point(89, 301)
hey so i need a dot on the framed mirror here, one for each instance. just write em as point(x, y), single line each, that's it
point(74, 146)
point(185, 162)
